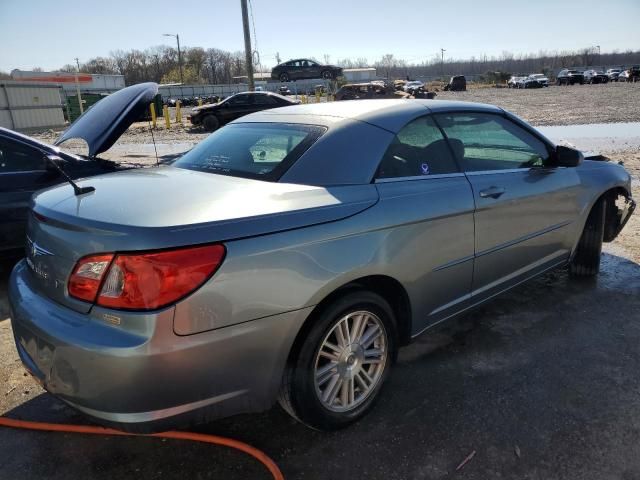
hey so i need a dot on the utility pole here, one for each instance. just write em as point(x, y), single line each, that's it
point(78, 88)
point(247, 44)
point(442, 50)
point(179, 53)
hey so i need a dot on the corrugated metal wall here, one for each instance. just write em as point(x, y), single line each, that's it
point(29, 106)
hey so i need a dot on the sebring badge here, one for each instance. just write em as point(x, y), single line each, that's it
point(33, 252)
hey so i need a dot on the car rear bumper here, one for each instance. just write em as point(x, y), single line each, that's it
point(150, 379)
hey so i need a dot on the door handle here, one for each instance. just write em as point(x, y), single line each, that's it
point(492, 192)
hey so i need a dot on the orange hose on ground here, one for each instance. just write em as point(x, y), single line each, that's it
point(196, 437)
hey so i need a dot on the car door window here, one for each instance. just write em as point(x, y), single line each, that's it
point(484, 142)
point(419, 149)
point(16, 157)
point(239, 100)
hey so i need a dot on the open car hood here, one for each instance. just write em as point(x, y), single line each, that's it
point(102, 124)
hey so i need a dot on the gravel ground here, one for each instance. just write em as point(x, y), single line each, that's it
point(567, 105)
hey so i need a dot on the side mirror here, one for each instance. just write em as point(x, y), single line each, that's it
point(567, 157)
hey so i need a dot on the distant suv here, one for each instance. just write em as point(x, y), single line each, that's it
point(569, 77)
point(458, 83)
point(514, 80)
point(535, 80)
point(613, 74)
point(304, 68)
point(595, 76)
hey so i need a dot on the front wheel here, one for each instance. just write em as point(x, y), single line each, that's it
point(337, 373)
point(210, 123)
point(327, 75)
point(586, 260)
point(284, 77)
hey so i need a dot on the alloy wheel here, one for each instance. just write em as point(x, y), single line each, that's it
point(350, 361)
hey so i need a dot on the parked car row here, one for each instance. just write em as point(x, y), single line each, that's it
point(283, 257)
point(192, 101)
point(535, 80)
point(572, 77)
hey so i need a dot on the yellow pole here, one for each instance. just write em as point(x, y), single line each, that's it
point(178, 113)
point(199, 102)
point(154, 118)
point(165, 113)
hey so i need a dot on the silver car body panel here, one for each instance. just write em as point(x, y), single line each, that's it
point(290, 244)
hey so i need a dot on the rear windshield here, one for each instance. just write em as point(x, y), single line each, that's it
point(251, 150)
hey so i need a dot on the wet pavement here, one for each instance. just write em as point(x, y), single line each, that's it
point(596, 137)
point(542, 383)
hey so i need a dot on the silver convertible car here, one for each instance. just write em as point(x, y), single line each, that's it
point(290, 254)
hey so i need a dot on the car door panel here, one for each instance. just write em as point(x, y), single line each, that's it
point(524, 207)
point(527, 227)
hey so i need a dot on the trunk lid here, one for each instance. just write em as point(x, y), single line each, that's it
point(149, 209)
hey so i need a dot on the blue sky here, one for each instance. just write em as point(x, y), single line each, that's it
point(51, 33)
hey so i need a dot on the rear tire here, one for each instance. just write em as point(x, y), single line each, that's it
point(312, 376)
point(586, 260)
point(210, 123)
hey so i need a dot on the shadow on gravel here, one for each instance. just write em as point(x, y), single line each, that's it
point(541, 383)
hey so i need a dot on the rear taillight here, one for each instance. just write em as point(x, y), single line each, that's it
point(144, 281)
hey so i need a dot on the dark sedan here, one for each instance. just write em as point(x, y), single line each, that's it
point(595, 76)
point(211, 117)
point(27, 165)
point(570, 77)
point(304, 69)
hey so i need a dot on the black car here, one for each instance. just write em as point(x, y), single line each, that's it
point(595, 76)
point(304, 68)
point(570, 77)
point(213, 116)
point(26, 165)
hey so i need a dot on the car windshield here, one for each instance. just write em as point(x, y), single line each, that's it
point(251, 150)
point(537, 75)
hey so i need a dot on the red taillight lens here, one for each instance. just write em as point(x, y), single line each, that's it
point(86, 278)
point(148, 281)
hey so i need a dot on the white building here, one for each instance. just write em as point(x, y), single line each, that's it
point(88, 82)
point(358, 75)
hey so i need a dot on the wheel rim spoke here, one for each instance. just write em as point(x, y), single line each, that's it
point(325, 373)
point(370, 335)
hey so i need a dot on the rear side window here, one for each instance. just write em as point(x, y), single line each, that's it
point(251, 150)
point(419, 149)
point(485, 142)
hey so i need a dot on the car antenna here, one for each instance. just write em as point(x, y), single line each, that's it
point(154, 145)
point(77, 190)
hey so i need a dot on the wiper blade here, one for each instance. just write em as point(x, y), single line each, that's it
point(53, 161)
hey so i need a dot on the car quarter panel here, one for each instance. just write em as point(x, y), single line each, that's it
point(419, 233)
